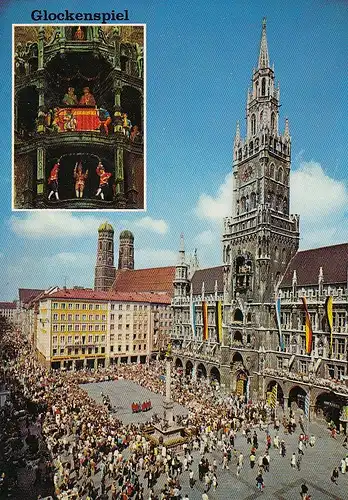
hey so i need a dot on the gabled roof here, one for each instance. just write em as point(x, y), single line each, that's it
point(209, 276)
point(89, 294)
point(28, 294)
point(307, 263)
point(155, 279)
point(8, 305)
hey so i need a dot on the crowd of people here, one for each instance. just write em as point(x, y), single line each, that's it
point(86, 452)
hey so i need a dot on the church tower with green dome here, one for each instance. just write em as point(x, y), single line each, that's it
point(126, 250)
point(105, 271)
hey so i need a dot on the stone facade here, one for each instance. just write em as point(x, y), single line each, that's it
point(260, 244)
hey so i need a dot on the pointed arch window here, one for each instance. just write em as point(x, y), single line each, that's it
point(253, 124)
point(263, 86)
point(273, 121)
point(280, 174)
point(271, 170)
point(261, 118)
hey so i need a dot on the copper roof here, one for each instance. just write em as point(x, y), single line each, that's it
point(88, 294)
point(209, 275)
point(155, 279)
point(307, 263)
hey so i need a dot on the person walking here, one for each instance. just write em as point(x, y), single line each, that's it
point(304, 491)
point(334, 475)
point(252, 460)
point(298, 462)
point(241, 460)
point(300, 447)
point(343, 466)
point(293, 460)
point(191, 478)
point(259, 482)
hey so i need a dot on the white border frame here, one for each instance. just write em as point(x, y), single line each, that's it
point(82, 210)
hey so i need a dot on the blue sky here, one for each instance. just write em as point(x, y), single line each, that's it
point(200, 57)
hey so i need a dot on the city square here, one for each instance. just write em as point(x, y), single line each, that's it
point(198, 351)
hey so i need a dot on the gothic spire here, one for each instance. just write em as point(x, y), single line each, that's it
point(181, 259)
point(237, 136)
point(287, 131)
point(263, 57)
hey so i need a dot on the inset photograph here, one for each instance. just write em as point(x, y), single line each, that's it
point(79, 117)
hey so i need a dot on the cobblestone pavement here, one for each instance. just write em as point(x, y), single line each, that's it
point(123, 393)
point(282, 482)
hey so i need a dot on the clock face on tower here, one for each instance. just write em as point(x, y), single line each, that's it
point(246, 173)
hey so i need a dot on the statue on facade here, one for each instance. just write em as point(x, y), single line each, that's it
point(88, 98)
point(79, 34)
point(53, 181)
point(70, 98)
point(140, 59)
point(135, 135)
point(70, 122)
point(126, 125)
point(103, 180)
point(80, 179)
point(105, 119)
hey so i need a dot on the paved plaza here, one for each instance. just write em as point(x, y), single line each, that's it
point(282, 482)
point(123, 393)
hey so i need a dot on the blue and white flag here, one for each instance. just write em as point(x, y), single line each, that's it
point(306, 405)
point(277, 308)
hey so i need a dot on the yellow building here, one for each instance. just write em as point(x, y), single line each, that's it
point(78, 328)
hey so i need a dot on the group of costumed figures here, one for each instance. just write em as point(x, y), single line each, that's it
point(80, 180)
point(57, 121)
point(138, 407)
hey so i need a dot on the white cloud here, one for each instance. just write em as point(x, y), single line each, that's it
point(54, 225)
point(208, 237)
point(322, 203)
point(314, 194)
point(215, 208)
point(156, 225)
point(149, 257)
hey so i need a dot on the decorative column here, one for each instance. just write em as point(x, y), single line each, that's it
point(168, 404)
point(119, 178)
point(117, 107)
point(117, 46)
point(40, 47)
point(40, 170)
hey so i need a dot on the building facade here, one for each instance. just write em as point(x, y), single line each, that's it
point(224, 323)
point(9, 310)
point(79, 104)
point(80, 328)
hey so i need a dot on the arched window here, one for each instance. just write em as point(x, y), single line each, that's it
point(238, 315)
point(263, 86)
point(251, 148)
point(240, 154)
point(253, 124)
point(243, 204)
point(271, 170)
point(283, 256)
point(261, 118)
point(273, 123)
point(285, 206)
point(276, 253)
point(280, 174)
point(252, 201)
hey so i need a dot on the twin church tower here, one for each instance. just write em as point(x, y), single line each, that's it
point(105, 271)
